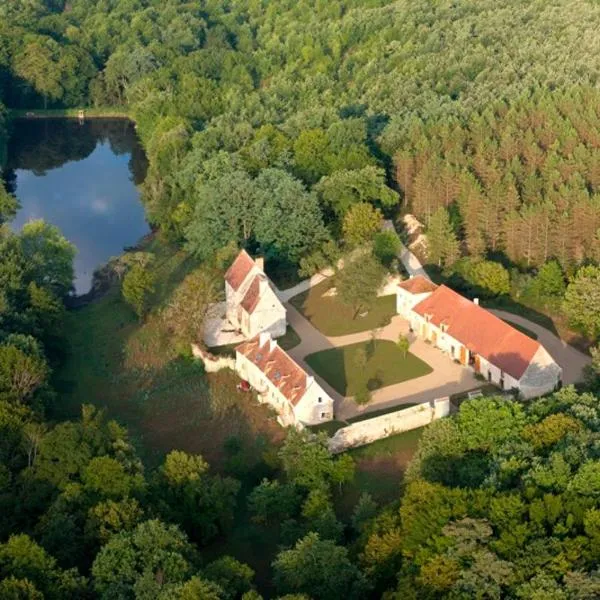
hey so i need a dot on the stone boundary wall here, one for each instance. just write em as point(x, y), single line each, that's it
point(378, 428)
point(212, 363)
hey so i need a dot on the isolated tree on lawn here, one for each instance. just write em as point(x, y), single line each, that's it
point(442, 244)
point(582, 301)
point(403, 344)
point(358, 282)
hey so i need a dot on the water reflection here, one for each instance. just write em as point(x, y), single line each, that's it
point(81, 178)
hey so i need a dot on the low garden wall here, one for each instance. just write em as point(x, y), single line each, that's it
point(212, 363)
point(378, 428)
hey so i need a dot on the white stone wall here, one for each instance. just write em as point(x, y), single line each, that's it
point(377, 428)
point(212, 363)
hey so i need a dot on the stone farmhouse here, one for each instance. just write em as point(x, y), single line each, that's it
point(294, 394)
point(252, 306)
point(476, 338)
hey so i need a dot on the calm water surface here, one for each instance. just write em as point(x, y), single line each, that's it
point(81, 178)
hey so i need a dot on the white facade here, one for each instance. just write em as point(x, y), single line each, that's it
point(254, 307)
point(406, 301)
point(541, 376)
point(314, 406)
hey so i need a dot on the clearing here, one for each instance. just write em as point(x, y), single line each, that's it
point(386, 365)
point(163, 397)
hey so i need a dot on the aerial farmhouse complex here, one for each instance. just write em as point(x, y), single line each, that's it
point(476, 338)
point(282, 383)
point(252, 306)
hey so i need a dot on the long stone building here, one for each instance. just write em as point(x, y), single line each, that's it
point(476, 338)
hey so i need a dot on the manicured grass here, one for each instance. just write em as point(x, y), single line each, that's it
point(144, 381)
point(386, 365)
point(522, 329)
point(331, 317)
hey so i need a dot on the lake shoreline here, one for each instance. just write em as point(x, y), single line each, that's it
point(69, 113)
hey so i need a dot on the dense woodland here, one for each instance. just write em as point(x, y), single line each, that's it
point(292, 128)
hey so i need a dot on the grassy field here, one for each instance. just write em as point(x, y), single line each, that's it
point(380, 467)
point(386, 365)
point(333, 318)
point(145, 382)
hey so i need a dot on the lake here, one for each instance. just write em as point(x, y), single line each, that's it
point(82, 178)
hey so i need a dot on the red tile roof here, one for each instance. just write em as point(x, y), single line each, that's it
point(239, 270)
point(479, 330)
point(418, 285)
point(250, 300)
point(287, 376)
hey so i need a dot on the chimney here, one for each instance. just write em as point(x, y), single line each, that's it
point(476, 301)
point(263, 338)
point(273, 344)
point(259, 261)
point(309, 380)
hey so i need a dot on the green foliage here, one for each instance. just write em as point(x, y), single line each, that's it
point(319, 569)
point(126, 562)
point(358, 282)
point(442, 245)
point(185, 493)
point(21, 373)
point(308, 463)
point(232, 576)
point(138, 284)
point(403, 344)
point(582, 301)
point(386, 246)
point(361, 223)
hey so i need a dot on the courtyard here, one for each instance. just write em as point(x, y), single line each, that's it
point(385, 364)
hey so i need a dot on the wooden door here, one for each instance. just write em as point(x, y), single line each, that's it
point(463, 355)
point(477, 363)
point(434, 338)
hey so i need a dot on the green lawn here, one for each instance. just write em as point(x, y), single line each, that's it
point(386, 365)
point(331, 317)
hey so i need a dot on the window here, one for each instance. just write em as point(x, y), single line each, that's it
point(324, 415)
point(489, 375)
point(320, 400)
point(452, 351)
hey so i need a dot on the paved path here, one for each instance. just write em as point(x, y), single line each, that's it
point(285, 295)
point(411, 263)
point(570, 359)
point(446, 378)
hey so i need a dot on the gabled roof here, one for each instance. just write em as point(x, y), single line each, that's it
point(252, 296)
point(418, 285)
point(283, 372)
point(239, 270)
point(479, 330)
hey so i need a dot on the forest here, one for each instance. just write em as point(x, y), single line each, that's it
point(291, 129)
